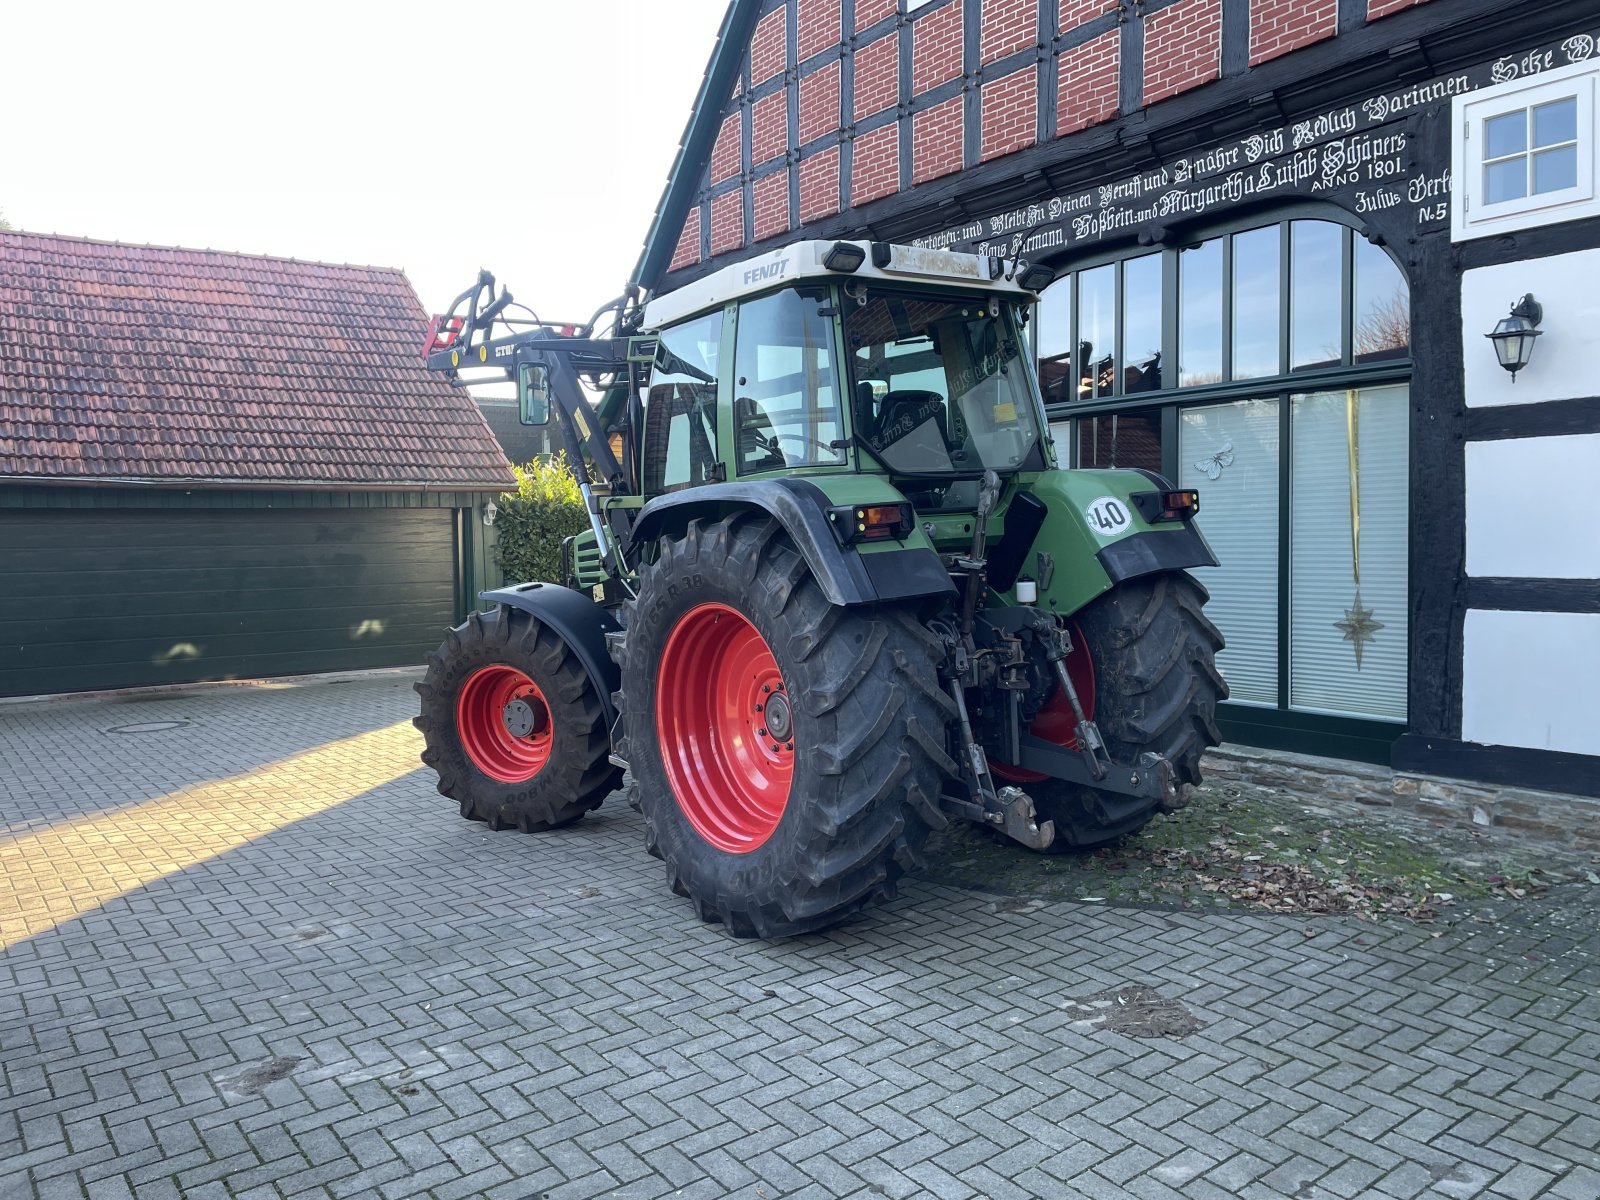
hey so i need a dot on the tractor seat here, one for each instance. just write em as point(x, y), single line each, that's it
point(904, 411)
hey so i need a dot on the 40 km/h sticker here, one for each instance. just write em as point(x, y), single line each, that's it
point(1108, 516)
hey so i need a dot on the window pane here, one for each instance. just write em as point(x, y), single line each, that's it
point(1053, 333)
point(786, 402)
point(1061, 435)
point(1347, 628)
point(1506, 134)
point(1555, 169)
point(1054, 329)
point(680, 444)
point(1097, 314)
point(1256, 303)
point(1315, 277)
point(1200, 314)
point(1383, 306)
point(1505, 180)
point(1120, 440)
point(1230, 453)
point(1556, 122)
point(1141, 324)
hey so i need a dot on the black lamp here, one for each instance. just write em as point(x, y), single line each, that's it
point(843, 256)
point(1513, 336)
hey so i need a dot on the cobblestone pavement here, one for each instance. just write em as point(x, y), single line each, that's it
point(254, 954)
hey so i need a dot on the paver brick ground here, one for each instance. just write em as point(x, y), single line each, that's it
point(249, 951)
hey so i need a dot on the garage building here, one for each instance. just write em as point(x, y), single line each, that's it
point(218, 466)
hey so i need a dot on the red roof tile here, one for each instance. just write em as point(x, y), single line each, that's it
point(186, 366)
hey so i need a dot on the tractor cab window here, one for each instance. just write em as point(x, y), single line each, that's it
point(680, 441)
point(786, 409)
point(939, 384)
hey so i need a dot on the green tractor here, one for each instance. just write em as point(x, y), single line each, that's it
point(835, 591)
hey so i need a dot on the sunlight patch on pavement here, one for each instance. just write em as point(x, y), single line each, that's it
point(60, 872)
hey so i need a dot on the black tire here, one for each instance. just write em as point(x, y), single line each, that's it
point(868, 730)
point(1156, 689)
point(577, 775)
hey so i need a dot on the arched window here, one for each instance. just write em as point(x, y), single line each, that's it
point(1265, 363)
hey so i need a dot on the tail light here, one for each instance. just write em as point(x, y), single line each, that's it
point(1167, 506)
point(871, 522)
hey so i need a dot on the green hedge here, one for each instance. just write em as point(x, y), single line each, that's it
point(545, 508)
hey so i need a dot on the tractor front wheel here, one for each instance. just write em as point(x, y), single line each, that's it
point(513, 725)
point(787, 754)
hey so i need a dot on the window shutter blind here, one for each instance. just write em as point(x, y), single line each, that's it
point(1230, 453)
point(1326, 626)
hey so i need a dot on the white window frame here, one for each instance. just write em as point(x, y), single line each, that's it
point(1470, 217)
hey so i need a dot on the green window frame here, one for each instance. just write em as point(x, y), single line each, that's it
point(1372, 351)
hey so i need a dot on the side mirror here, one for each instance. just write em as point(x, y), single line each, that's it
point(533, 394)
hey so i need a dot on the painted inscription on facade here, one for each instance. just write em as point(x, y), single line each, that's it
point(1362, 154)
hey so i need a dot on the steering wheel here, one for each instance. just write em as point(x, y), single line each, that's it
point(778, 436)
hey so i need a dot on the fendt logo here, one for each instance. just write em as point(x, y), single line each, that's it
point(770, 271)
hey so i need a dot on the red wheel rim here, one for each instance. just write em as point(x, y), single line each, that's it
point(728, 770)
point(495, 705)
point(1055, 722)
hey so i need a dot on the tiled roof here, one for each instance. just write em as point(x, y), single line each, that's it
point(144, 363)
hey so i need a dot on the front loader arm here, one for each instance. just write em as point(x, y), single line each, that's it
point(464, 339)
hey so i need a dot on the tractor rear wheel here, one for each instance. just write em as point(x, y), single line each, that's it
point(787, 754)
point(1150, 682)
point(513, 725)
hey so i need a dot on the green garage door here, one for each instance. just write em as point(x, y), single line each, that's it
point(107, 598)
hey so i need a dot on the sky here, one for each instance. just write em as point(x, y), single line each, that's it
point(532, 137)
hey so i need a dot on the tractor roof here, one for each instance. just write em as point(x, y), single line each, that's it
point(809, 260)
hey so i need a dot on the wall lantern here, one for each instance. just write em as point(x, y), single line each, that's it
point(490, 512)
point(1513, 336)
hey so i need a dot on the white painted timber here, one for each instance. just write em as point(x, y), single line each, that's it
point(1564, 364)
point(1530, 678)
point(1531, 507)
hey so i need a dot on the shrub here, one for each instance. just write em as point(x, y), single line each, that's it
point(545, 508)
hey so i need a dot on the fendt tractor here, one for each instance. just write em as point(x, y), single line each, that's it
point(835, 590)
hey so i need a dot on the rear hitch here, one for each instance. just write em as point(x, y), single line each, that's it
point(1090, 744)
point(1020, 822)
point(1010, 808)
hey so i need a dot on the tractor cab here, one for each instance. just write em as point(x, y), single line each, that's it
point(845, 357)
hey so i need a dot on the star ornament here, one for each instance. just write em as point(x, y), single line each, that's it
point(1358, 627)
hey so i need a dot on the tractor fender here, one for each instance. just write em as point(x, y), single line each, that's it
point(579, 622)
point(845, 575)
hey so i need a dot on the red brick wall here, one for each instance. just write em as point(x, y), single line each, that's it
point(688, 251)
point(936, 47)
point(769, 48)
point(819, 185)
point(727, 222)
point(1008, 26)
point(770, 205)
point(1010, 112)
point(870, 12)
point(875, 165)
point(1382, 8)
point(1279, 26)
point(769, 127)
point(817, 26)
point(819, 103)
point(1079, 12)
point(1182, 48)
point(725, 151)
point(877, 76)
point(1086, 83)
point(936, 140)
